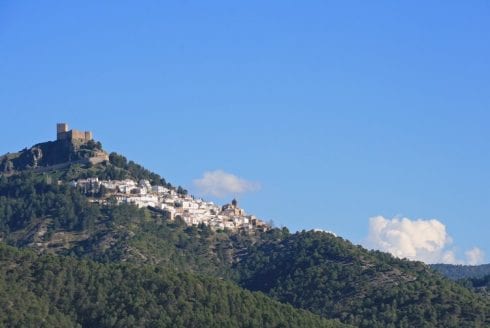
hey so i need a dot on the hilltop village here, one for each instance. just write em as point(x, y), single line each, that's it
point(78, 147)
point(173, 205)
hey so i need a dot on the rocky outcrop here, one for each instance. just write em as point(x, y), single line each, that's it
point(50, 154)
point(37, 155)
point(6, 165)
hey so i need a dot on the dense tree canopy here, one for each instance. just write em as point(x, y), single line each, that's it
point(65, 292)
point(329, 276)
point(199, 269)
point(458, 271)
point(27, 197)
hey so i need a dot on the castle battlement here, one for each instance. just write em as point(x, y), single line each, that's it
point(62, 133)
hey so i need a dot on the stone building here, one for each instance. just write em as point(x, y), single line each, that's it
point(62, 133)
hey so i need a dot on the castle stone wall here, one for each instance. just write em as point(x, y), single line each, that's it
point(62, 133)
point(77, 135)
point(61, 127)
point(88, 135)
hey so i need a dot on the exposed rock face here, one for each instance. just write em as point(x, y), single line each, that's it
point(98, 157)
point(53, 153)
point(37, 155)
point(6, 165)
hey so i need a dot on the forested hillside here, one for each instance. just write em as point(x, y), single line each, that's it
point(119, 265)
point(54, 291)
point(329, 276)
point(456, 272)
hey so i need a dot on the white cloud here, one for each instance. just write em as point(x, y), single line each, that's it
point(475, 256)
point(326, 231)
point(220, 184)
point(422, 240)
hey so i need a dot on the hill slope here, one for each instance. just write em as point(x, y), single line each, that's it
point(332, 277)
point(52, 154)
point(456, 272)
point(311, 270)
point(64, 292)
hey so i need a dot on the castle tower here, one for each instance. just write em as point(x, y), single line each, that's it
point(88, 136)
point(61, 130)
point(62, 133)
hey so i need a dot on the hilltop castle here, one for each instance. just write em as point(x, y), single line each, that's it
point(62, 133)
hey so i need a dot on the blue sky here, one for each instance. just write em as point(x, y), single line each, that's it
point(341, 111)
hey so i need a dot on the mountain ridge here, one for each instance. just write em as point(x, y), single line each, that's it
point(458, 271)
point(314, 271)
